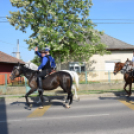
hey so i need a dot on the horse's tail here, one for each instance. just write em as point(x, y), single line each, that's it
point(76, 79)
point(71, 81)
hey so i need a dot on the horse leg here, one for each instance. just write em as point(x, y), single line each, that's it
point(67, 100)
point(41, 97)
point(73, 87)
point(125, 88)
point(71, 98)
point(130, 91)
point(45, 98)
point(28, 93)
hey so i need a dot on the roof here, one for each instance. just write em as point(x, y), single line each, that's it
point(112, 43)
point(115, 44)
point(9, 59)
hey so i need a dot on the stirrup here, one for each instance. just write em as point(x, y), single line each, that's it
point(40, 90)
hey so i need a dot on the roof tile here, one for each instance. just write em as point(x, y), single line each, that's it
point(9, 59)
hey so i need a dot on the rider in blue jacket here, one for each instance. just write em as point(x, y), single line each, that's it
point(47, 64)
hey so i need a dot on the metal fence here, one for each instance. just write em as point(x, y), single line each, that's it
point(99, 76)
point(6, 84)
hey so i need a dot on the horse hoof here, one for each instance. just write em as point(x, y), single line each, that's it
point(78, 99)
point(41, 107)
point(67, 106)
point(30, 105)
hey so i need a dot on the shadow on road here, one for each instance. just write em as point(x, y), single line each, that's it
point(3, 117)
point(48, 100)
point(121, 97)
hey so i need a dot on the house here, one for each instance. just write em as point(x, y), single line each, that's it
point(101, 67)
point(7, 63)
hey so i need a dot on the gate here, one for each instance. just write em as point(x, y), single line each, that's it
point(27, 87)
point(3, 83)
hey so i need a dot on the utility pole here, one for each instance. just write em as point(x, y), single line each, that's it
point(17, 53)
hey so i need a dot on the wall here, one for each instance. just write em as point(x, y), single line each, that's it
point(96, 65)
point(99, 61)
point(6, 67)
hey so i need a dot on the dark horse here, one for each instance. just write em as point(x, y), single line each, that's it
point(59, 78)
point(129, 79)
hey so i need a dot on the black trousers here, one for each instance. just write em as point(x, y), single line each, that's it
point(42, 75)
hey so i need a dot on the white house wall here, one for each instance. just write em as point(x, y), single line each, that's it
point(96, 67)
point(115, 55)
point(99, 72)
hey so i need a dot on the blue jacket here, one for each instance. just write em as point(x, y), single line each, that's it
point(133, 59)
point(45, 60)
point(52, 61)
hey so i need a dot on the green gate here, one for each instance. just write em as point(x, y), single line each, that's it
point(27, 87)
point(3, 85)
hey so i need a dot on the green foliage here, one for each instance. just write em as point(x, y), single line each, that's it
point(36, 60)
point(61, 24)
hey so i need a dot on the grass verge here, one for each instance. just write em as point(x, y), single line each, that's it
point(80, 92)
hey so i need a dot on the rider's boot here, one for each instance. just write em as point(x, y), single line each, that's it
point(40, 90)
point(40, 83)
point(133, 73)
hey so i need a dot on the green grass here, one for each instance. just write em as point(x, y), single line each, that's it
point(86, 92)
point(15, 85)
point(89, 82)
point(80, 92)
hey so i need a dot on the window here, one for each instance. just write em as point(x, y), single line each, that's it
point(109, 65)
point(75, 66)
point(83, 68)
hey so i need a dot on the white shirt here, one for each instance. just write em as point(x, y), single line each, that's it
point(133, 59)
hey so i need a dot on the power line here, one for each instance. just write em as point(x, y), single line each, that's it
point(130, 21)
point(94, 22)
point(113, 22)
point(11, 44)
point(2, 17)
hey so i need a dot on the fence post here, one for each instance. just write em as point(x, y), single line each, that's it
point(86, 77)
point(109, 77)
point(5, 82)
point(25, 83)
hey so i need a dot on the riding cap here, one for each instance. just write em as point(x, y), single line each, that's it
point(46, 49)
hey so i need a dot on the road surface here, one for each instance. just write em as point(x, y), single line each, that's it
point(103, 115)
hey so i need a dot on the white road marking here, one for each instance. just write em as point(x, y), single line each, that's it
point(61, 117)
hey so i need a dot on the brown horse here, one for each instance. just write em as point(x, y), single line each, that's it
point(59, 78)
point(127, 74)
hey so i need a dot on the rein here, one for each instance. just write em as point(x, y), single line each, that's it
point(125, 68)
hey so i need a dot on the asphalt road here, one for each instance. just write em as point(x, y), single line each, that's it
point(105, 115)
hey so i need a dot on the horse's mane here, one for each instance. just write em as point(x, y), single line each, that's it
point(118, 62)
point(26, 69)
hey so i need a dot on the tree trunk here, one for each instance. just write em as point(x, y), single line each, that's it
point(59, 64)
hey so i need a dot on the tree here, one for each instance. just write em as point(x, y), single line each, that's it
point(61, 24)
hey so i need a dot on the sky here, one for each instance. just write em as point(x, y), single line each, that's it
point(114, 17)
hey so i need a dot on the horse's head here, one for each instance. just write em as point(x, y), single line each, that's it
point(128, 62)
point(128, 65)
point(16, 72)
point(118, 66)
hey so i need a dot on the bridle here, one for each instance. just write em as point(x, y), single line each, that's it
point(126, 66)
point(12, 74)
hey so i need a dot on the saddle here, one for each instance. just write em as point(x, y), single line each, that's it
point(52, 71)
